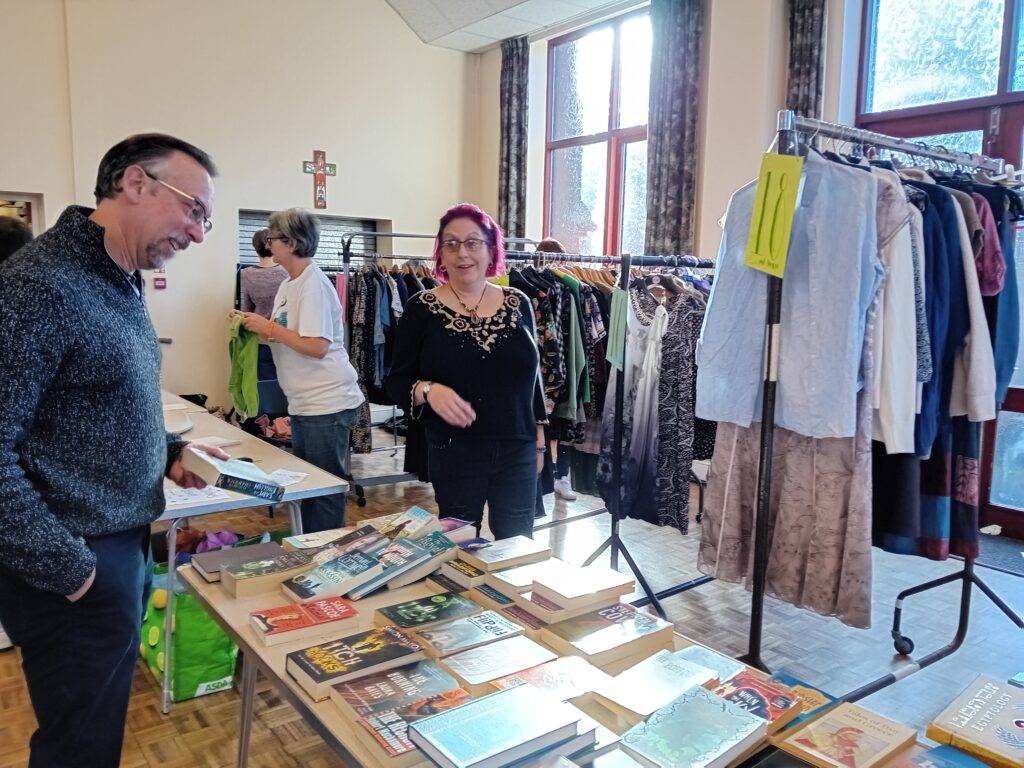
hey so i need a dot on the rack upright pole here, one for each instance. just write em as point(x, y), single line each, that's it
point(787, 146)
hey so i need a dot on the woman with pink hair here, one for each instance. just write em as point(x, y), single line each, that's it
point(466, 364)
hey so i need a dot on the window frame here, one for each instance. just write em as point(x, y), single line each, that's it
point(1002, 97)
point(617, 138)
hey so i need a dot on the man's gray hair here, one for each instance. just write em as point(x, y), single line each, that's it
point(299, 225)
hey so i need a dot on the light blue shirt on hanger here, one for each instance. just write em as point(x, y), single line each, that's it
point(832, 276)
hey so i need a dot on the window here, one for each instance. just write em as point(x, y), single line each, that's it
point(595, 198)
point(332, 228)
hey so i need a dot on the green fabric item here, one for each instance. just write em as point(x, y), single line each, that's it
point(617, 330)
point(244, 348)
point(575, 367)
point(574, 286)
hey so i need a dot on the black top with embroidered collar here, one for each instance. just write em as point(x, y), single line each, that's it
point(494, 365)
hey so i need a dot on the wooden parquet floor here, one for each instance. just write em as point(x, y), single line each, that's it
point(822, 651)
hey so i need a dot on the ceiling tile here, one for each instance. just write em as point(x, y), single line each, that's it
point(423, 18)
point(462, 13)
point(465, 41)
point(502, 5)
point(543, 12)
point(501, 26)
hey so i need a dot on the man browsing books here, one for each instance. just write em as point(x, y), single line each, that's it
point(84, 450)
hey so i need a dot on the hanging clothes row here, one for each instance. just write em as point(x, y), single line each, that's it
point(898, 331)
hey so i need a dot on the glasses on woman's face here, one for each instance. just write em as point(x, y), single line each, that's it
point(268, 238)
point(453, 246)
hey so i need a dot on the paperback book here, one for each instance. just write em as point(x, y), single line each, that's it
point(462, 573)
point(316, 539)
point(531, 623)
point(696, 730)
point(506, 553)
point(394, 560)
point(942, 756)
point(609, 634)
point(414, 523)
point(475, 668)
point(392, 689)
point(986, 721)
point(265, 574)
point(771, 701)
point(457, 530)
point(319, 667)
point(288, 623)
point(331, 579)
point(209, 564)
point(549, 611)
point(425, 612)
point(521, 578)
point(438, 583)
point(439, 549)
point(811, 700)
point(466, 633)
point(567, 678)
point(489, 597)
point(232, 475)
point(848, 736)
point(390, 728)
point(576, 587)
point(724, 667)
point(644, 688)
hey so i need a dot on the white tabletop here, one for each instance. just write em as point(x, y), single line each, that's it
point(171, 401)
point(266, 456)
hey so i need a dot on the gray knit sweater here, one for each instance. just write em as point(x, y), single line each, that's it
point(83, 447)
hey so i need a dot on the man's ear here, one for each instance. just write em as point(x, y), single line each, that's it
point(134, 183)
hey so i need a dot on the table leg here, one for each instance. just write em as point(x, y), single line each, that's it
point(172, 546)
point(248, 705)
point(295, 512)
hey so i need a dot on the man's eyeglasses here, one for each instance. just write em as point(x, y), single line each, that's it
point(197, 212)
point(452, 246)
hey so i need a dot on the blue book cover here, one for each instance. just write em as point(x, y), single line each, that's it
point(332, 578)
point(399, 556)
point(512, 723)
point(943, 756)
point(697, 730)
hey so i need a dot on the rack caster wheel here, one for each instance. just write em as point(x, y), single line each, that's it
point(904, 645)
point(361, 501)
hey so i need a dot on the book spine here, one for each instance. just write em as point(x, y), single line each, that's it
point(251, 488)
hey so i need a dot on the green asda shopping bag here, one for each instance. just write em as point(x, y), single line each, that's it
point(202, 657)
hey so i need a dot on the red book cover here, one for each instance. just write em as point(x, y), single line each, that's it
point(760, 696)
point(286, 618)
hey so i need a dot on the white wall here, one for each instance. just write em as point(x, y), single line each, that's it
point(259, 84)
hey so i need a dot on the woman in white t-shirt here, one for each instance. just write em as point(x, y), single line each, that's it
point(306, 335)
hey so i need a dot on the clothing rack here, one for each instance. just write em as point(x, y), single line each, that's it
point(790, 126)
point(614, 540)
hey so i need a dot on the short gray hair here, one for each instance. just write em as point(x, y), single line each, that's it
point(300, 226)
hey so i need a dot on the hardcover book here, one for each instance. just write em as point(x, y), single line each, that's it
point(392, 689)
point(465, 633)
point(650, 685)
point(475, 668)
point(771, 701)
point(464, 574)
point(390, 728)
point(265, 574)
point(394, 560)
point(296, 622)
point(332, 578)
point(696, 730)
point(609, 634)
point(986, 721)
point(506, 553)
point(209, 564)
point(521, 578)
point(495, 730)
point(592, 585)
point(567, 678)
point(426, 612)
point(812, 700)
point(848, 736)
point(232, 474)
point(724, 667)
point(319, 667)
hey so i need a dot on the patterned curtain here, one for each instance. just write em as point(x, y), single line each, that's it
point(515, 71)
point(807, 19)
point(677, 26)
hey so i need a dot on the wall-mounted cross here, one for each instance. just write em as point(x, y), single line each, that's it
point(320, 169)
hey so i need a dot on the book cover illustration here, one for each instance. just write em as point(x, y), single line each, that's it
point(286, 618)
point(494, 595)
point(438, 583)
point(987, 721)
point(850, 737)
point(468, 632)
point(510, 550)
point(812, 700)
point(756, 694)
point(391, 727)
point(266, 566)
point(696, 729)
point(460, 569)
point(428, 610)
point(943, 756)
point(607, 628)
point(365, 539)
point(362, 650)
point(232, 475)
point(414, 523)
point(394, 688)
point(339, 571)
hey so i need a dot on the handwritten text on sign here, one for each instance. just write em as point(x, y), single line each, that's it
point(774, 205)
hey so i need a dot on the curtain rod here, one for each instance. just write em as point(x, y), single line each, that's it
point(816, 127)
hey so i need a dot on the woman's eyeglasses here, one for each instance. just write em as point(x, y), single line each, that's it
point(453, 246)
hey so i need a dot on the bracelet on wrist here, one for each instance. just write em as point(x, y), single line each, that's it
point(270, 336)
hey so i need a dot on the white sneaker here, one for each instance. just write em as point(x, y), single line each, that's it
point(563, 487)
point(5, 641)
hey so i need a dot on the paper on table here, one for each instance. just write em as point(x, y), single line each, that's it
point(286, 477)
point(175, 496)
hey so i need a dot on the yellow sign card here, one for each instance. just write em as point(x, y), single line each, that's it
point(775, 203)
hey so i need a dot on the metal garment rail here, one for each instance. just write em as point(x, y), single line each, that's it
point(614, 540)
point(789, 128)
